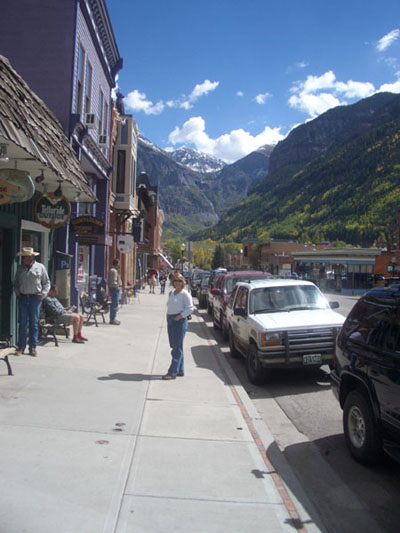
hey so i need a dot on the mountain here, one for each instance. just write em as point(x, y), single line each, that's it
point(233, 183)
point(197, 161)
point(333, 178)
point(194, 200)
point(337, 126)
point(185, 206)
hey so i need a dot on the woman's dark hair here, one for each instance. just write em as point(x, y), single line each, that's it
point(115, 262)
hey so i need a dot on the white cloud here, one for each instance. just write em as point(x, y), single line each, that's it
point(202, 89)
point(240, 93)
point(199, 90)
point(229, 147)
point(317, 94)
point(355, 89)
point(313, 104)
point(262, 98)
point(137, 101)
point(391, 87)
point(387, 40)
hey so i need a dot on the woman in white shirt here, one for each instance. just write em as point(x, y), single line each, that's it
point(179, 307)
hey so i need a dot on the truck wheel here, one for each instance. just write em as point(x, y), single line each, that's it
point(361, 431)
point(232, 348)
point(256, 373)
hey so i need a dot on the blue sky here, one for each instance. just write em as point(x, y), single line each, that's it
point(227, 76)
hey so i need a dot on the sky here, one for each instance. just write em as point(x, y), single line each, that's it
point(227, 76)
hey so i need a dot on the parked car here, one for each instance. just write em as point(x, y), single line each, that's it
point(366, 376)
point(212, 282)
point(195, 280)
point(281, 323)
point(225, 284)
point(203, 290)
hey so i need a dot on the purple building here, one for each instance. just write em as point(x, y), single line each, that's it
point(67, 53)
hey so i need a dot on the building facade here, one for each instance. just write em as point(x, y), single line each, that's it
point(71, 64)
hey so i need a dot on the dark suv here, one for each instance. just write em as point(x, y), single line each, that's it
point(366, 378)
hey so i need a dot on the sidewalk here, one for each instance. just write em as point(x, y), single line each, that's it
point(92, 440)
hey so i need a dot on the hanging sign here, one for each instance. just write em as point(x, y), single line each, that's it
point(15, 186)
point(87, 225)
point(52, 211)
point(125, 243)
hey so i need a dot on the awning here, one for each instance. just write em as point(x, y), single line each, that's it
point(35, 142)
point(165, 260)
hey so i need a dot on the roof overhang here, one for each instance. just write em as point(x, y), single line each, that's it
point(35, 140)
point(21, 159)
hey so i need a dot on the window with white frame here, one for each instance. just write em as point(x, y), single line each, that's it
point(88, 86)
point(80, 79)
point(101, 106)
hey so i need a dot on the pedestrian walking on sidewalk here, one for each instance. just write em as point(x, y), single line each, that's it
point(114, 288)
point(31, 285)
point(179, 307)
point(57, 312)
point(163, 282)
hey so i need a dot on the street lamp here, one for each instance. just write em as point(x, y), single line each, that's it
point(183, 247)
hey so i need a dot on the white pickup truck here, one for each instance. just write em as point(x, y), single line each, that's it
point(278, 323)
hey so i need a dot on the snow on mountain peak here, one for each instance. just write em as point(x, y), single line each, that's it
point(197, 161)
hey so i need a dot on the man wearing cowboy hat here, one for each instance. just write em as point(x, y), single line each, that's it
point(31, 285)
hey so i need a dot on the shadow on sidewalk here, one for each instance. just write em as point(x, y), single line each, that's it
point(206, 357)
point(130, 377)
point(199, 329)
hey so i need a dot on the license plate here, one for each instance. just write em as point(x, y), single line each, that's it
point(312, 359)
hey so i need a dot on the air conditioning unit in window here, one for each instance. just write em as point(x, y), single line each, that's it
point(104, 141)
point(91, 120)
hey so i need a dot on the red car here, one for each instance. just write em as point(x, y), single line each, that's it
point(222, 293)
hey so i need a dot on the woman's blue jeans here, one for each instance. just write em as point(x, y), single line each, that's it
point(114, 303)
point(28, 313)
point(176, 334)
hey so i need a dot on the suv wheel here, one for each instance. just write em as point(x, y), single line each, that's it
point(256, 373)
point(360, 429)
point(232, 348)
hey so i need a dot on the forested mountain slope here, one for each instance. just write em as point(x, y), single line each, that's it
point(349, 190)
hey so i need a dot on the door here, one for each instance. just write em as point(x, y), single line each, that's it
point(240, 322)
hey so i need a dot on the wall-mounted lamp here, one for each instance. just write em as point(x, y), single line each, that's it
point(58, 191)
point(40, 178)
point(3, 153)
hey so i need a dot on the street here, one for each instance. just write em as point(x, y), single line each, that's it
point(306, 422)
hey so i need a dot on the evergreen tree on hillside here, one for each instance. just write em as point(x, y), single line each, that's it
point(218, 257)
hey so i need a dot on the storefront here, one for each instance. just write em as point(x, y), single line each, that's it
point(346, 270)
point(38, 170)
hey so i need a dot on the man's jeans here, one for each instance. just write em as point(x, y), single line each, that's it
point(176, 334)
point(114, 293)
point(28, 312)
